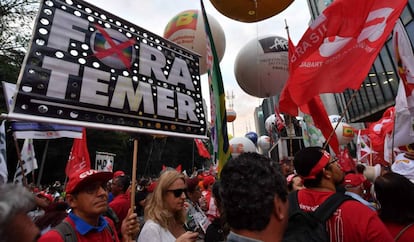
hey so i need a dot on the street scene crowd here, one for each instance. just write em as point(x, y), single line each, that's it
point(251, 201)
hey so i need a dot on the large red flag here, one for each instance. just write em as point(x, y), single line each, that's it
point(338, 49)
point(79, 156)
point(314, 107)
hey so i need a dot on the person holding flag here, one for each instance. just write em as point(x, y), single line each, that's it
point(87, 195)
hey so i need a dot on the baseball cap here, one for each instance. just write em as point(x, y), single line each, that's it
point(80, 178)
point(118, 173)
point(45, 195)
point(353, 180)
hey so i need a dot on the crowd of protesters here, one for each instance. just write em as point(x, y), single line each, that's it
point(250, 202)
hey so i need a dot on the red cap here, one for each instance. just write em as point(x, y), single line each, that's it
point(118, 173)
point(353, 180)
point(77, 179)
point(46, 195)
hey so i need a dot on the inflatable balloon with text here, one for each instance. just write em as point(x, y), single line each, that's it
point(187, 29)
point(261, 66)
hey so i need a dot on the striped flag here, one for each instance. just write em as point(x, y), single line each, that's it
point(3, 155)
point(217, 99)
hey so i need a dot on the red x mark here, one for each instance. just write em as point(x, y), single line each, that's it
point(114, 49)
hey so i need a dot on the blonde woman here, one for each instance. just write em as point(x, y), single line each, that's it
point(165, 214)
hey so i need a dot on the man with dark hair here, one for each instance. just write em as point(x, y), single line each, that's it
point(352, 221)
point(254, 198)
point(86, 194)
point(122, 199)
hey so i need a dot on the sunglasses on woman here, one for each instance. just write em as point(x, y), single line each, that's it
point(178, 192)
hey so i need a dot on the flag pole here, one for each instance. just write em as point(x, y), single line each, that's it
point(19, 160)
point(342, 116)
point(134, 173)
point(42, 165)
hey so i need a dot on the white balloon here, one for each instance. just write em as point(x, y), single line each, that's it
point(344, 132)
point(264, 143)
point(240, 145)
point(261, 66)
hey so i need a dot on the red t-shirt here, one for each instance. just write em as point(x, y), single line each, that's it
point(407, 236)
point(92, 236)
point(351, 222)
point(120, 204)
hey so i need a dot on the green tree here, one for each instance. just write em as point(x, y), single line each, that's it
point(16, 23)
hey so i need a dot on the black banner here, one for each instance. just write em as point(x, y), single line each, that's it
point(87, 65)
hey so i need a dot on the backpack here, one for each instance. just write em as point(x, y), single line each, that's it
point(311, 226)
point(68, 234)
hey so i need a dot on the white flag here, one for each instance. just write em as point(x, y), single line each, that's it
point(3, 154)
point(28, 156)
point(404, 101)
point(363, 149)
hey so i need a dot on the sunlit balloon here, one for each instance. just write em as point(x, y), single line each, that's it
point(264, 143)
point(231, 115)
point(252, 136)
point(240, 145)
point(250, 11)
point(261, 66)
point(187, 29)
point(270, 123)
point(344, 132)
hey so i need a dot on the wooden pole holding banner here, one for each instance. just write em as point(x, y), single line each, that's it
point(134, 177)
point(134, 173)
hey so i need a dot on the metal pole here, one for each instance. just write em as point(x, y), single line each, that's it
point(42, 165)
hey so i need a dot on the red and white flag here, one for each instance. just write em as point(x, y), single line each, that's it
point(79, 156)
point(363, 150)
point(404, 101)
point(338, 49)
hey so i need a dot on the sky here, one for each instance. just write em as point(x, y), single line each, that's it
point(154, 15)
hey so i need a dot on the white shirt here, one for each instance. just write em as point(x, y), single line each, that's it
point(153, 232)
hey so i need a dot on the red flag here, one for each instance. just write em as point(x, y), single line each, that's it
point(202, 150)
point(79, 156)
point(378, 132)
point(286, 104)
point(346, 161)
point(338, 49)
point(280, 123)
point(321, 120)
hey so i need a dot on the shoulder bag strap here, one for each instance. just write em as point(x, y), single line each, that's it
point(327, 208)
point(66, 231)
point(402, 231)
